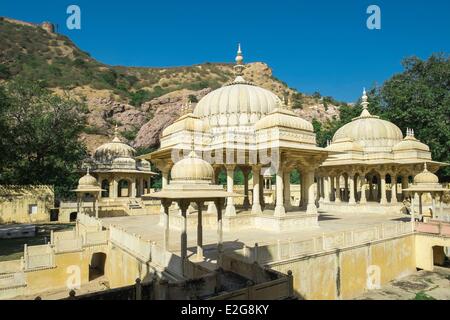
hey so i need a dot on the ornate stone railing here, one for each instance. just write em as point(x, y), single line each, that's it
point(95, 238)
point(131, 242)
point(91, 223)
point(38, 257)
point(284, 250)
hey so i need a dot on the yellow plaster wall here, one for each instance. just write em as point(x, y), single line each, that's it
point(15, 202)
point(424, 249)
point(343, 274)
point(56, 278)
point(123, 269)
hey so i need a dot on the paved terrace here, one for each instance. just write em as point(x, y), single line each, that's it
point(148, 229)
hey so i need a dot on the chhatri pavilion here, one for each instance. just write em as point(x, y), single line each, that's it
point(370, 153)
point(242, 126)
point(121, 178)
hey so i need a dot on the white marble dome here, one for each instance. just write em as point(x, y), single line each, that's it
point(284, 118)
point(87, 182)
point(370, 132)
point(236, 104)
point(192, 170)
point(115, 149)
point(426, 177)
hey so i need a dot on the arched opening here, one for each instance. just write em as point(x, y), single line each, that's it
point(124, 188)
point(439, 256)
point(73, 217)
point(105, 187)
point(97, 265)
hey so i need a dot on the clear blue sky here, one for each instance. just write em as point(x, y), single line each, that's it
point(315, 45)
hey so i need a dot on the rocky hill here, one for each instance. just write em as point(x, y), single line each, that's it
point(141, 101)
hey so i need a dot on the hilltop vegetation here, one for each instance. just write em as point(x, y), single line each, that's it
point(130, 96)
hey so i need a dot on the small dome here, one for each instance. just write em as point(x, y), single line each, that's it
point(145, 164)
point(410, 143)
point(344, 144)
point(192, 169)
point(87, 182)
point(187, 122)
point(114, 149)
point(426, 177)
point(284, 118)
point(124, 162)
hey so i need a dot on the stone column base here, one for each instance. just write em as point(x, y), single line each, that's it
point(230, 211)
point(279, 211)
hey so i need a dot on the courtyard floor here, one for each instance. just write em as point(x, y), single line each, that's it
point(148, 229)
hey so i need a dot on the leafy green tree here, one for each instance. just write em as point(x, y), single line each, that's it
point(419, 98)
point(40, 136)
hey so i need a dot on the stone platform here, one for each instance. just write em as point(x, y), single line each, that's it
point(293, 220)
point(369, 207)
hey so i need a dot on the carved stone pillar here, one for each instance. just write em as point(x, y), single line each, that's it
point(279, 208)
point(230, 210)
point(287, 189)
point(326, 189)
point(351, 188)
point(246, 203)
point(311, 207)
point(363, 199)
point(383, 198)
point(394, 199)
point(256, 206)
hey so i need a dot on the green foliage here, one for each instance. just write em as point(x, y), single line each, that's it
point(423, 296)
point(4, 72)
point(130, 135)
point(417, 98)
point(39, 136)
point(192, 98)
point(139, 97)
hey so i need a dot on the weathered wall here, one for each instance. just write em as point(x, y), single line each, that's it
point(122, 268)
point(347, 273)
point(54, 278)
point(424, 249)
point(15, 202)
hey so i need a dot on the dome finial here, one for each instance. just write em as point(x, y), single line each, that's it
point(239, 67)
point(87, 170)
point(364, 102)
point(425, 166)
point(116, 134)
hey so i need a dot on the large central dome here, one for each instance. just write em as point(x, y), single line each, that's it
point(238, 103)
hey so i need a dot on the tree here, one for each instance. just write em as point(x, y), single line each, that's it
point(40, 136)
point(419, 98)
